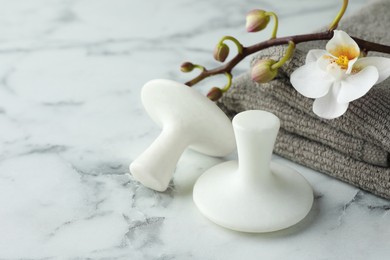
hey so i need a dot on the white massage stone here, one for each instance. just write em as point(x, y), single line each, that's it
point(253, 194)
point(187, 119)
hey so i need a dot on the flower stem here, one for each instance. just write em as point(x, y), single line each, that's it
point(286, 57)
point(229, 83)
point(336, 20)
point(200, 67)
point(234, 40)
point(275, 30)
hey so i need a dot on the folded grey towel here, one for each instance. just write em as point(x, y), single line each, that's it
point(354, 147)
point(296, 121)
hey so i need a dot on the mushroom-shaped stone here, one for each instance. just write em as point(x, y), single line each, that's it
point(254, 195)
point(188, 119)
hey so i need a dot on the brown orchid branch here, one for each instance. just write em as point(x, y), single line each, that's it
point(365, 46)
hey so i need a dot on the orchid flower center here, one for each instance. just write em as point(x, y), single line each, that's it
point(342, 61)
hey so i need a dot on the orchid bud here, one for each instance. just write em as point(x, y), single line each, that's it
point(256, 20)
point(187, 67)
point(262, 71)
point(221, 52)
point(214, 94)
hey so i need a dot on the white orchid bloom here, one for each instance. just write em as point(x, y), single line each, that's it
point(337, 75)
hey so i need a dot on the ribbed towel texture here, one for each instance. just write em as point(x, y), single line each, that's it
point(355, 147)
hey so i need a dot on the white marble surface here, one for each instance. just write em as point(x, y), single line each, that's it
point(71, 121)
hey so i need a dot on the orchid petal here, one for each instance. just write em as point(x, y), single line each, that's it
point(327, 106)
point(342, 44)
point(357, 85)
point(335, 71)
point(310, 81)
point(350, 65)
point(324, 61)
point(381, 63)
point(314, 55)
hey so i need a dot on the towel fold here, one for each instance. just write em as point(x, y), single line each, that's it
point(355, 147)
point(296, 121)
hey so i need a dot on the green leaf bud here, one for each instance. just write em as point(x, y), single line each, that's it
point(221, 52)
point(187, 67)
point(256, 20)
point(262, 71)
point(214, 94)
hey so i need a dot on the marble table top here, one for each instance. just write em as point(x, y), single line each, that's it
point(71, 122)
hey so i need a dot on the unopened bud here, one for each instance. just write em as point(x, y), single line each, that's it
point(214, 94)
point(262, 71)
point(187, 67)
point(221, 52)
point(256, 20)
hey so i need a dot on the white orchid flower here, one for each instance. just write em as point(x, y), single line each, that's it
point(337, 75)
